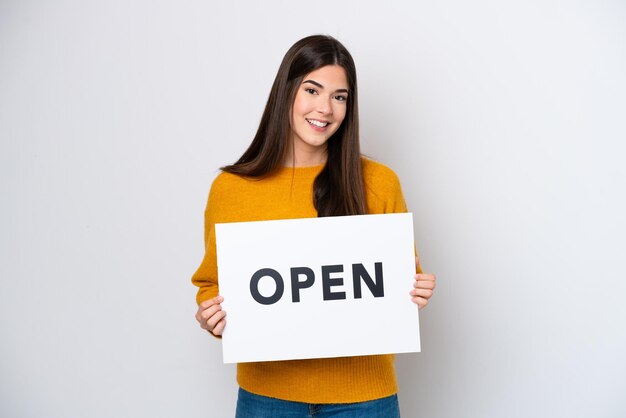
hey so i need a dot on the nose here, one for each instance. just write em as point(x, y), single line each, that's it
point(325, 106)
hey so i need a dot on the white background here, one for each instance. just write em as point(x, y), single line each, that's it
point(504, 121)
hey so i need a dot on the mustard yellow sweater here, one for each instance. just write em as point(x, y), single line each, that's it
point(286, 195)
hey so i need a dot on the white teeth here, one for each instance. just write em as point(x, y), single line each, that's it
point(317, 123)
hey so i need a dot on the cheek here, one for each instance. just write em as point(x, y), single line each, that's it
point(300, 105)
point(340, 114)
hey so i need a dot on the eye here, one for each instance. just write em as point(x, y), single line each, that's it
point(310, 90)
point(341, 98)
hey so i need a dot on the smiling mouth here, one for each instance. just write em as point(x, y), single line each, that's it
point(317, 123)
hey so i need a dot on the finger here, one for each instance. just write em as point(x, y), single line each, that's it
point(219, 328)
point(417, 263)
point(210, 302)
point(425, 278)
point(420, 302)
point(212, 321)
point(424, 293)
point(199, 315)
point(207, 313)
point(423, 284)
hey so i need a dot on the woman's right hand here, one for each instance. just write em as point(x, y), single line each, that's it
point(211, 316)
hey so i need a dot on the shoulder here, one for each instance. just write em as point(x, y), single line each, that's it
point(379, 176)
point(224, 183)
point(223, 193)
point(382, 188)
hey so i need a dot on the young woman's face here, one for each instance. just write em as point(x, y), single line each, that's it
point(318, 111)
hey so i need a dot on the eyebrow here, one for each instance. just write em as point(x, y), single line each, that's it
point(315, 83)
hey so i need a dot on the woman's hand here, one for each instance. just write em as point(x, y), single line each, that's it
point(211, 316)
point(423, 287)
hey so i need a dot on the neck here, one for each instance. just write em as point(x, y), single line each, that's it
point(305, 158)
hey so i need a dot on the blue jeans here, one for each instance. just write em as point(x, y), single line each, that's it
point(250, 405)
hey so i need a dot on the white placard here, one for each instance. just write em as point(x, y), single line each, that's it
point(332, 260)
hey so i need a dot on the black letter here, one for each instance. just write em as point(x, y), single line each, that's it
point(254, 286)
point(328, 282)
point(297, 285)
point(358, 271)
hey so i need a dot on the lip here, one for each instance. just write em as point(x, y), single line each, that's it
point(318, 128)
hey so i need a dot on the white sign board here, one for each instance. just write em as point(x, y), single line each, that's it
point(317, 287)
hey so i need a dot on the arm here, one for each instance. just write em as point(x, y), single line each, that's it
point(209, 315)
point(386, 197)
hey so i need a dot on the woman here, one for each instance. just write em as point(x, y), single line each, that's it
point(304, 162)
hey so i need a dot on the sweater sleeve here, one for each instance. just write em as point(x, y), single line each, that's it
point(385, 192)
point(205, 277)
point(397, 204)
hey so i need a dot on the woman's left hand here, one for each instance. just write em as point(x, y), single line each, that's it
point(423, 287)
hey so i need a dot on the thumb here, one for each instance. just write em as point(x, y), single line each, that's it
point(418, 267)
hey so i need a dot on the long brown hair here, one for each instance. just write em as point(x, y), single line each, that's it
point(338, 189)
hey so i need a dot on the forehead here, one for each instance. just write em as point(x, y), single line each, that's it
point(329, 76)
